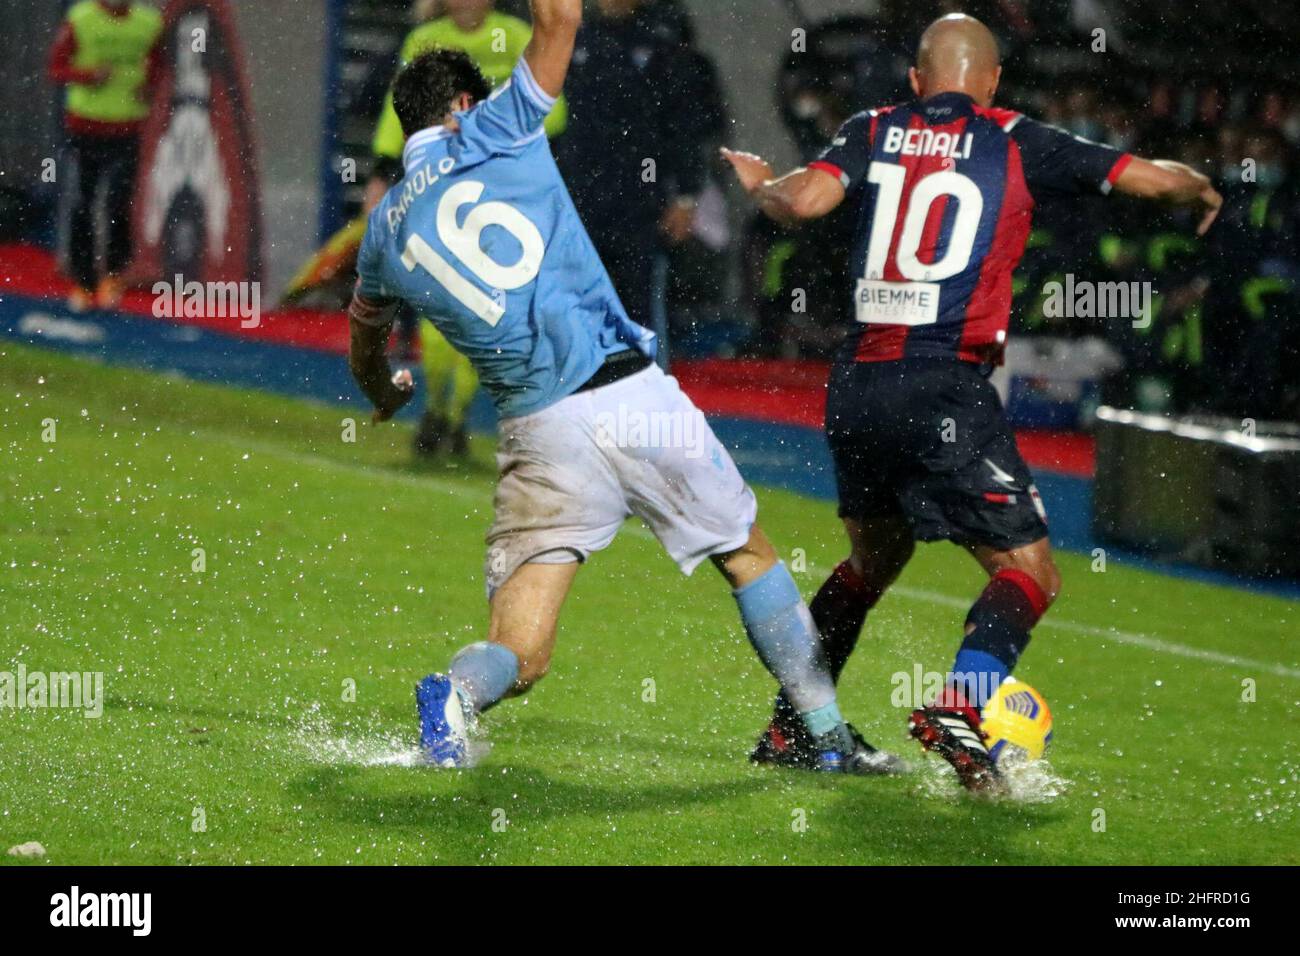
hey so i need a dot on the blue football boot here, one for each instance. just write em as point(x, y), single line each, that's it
point(444, 729)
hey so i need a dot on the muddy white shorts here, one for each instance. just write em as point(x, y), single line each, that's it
point(572, 473)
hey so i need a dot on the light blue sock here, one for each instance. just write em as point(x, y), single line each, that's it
point(824, 719)
point(484, 673)
point(782, 631)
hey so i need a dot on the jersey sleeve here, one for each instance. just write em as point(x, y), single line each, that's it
point(513, 115)
point(518, 33)
point(371, 303)
point(849, 154)
point(1058, 162)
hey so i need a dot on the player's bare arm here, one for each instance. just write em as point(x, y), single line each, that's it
point(794, 198)
point(1167, 181)
point(368, 360)
point(555, 28)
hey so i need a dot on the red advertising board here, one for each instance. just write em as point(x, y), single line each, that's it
point(198, 210)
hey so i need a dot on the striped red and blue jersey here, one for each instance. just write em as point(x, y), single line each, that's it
point(947, 191)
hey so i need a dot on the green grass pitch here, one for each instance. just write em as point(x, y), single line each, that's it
point(228, 735)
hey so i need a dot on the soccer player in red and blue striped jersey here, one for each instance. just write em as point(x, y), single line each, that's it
point(946, 187)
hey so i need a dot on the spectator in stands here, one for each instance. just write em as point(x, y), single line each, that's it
point(1254, 268)
point(104, 53)
point(643, 105)
point(382, 65)
point(1081, 114)
point(1279, 111)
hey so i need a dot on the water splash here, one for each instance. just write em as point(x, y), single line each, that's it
point(321, 742)
point(1034, 781)
point(1028, 782)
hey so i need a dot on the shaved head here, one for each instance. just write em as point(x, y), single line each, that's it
point(957, 54)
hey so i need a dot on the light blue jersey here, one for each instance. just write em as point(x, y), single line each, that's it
point(482, 238)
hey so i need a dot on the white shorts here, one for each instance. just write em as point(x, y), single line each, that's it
point(571, 474)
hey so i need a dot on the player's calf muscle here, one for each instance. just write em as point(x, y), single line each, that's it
point(1033, 559)
point(1050, 582)
point(1042, 568)
point(532, 646)
point(880, 549)
point(748, 562)
point(525, 614)
point(531, 670)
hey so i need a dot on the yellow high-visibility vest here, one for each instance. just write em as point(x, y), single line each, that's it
point(121, 43)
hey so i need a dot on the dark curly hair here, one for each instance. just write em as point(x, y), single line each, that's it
point(425, 89)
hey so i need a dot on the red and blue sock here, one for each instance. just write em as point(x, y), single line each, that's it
point(998, 625)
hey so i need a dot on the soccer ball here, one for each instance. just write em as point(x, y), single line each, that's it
point(1018, 723)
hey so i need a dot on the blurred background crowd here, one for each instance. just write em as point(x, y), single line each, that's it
point(1225, 330)
point(653, 93)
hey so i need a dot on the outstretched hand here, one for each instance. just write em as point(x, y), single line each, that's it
point(1211, 202)
point(753, 171)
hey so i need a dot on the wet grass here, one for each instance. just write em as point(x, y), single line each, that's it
point(261, 596)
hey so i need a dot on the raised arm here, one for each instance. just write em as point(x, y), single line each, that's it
point(794, 198)
point(555, 28)
point(1167, 181)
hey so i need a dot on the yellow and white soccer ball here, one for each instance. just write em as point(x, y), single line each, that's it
point(1018, 723)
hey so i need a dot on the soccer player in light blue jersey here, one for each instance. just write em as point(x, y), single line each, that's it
point(482, 237)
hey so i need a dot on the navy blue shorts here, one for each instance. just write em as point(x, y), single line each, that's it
point(927, 440)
